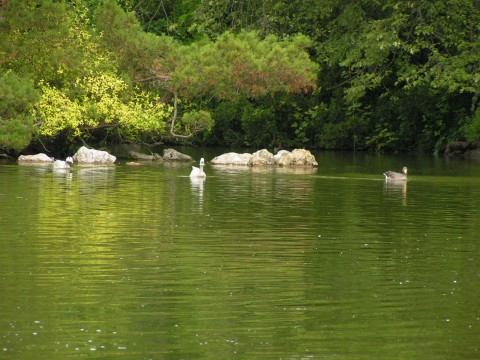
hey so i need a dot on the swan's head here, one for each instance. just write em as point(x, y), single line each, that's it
point(202, 162)
point(69, 160)
point(405, 170)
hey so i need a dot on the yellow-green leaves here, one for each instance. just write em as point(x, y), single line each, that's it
point(57, 113)
point(96, 101)
point(143, 114)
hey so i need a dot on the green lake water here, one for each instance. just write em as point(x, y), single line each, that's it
point(140, 262)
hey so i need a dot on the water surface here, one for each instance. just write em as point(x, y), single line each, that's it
point(140, 262)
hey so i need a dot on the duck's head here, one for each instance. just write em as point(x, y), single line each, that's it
point(405, 170)
point(69, 160)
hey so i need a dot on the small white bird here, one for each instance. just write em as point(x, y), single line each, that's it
point(395, 176)
point(60, 164)
point(198, 172)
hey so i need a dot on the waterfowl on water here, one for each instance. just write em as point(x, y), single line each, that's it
point(392, 175)
point(60, 164)
point(198, 172)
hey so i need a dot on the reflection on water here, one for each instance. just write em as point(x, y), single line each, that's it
point(397, 187)
point(266, 169)
point(142, 262)
point(197, 185)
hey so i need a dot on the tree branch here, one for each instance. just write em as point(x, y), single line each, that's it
point(174, 119)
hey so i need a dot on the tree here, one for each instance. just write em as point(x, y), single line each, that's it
point(425, 51)
point(232, 67)
point(16, 120)
point(244, 65)
point(174, 18)
point(81, 88)
point(100, 101)
point(392, 75)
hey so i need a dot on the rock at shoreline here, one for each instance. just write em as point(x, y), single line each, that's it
point(140, 156)
point(174, 155)
point(298, 157)
point(92, 156)
point(133, 152)
point(464, 149)
point(38, 158)
point(231, 158)
point(284, 158)
point(262, 158)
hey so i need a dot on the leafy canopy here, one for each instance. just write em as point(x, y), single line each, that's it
point(244, 66)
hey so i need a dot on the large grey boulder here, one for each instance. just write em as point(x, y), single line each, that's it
point(38, 158)
point(464, 149)
point(231, 158)
point(136, 155)
point(297, 157)
point(85, 155)
point(174, 155)
point(262, 158)
point(133, 152)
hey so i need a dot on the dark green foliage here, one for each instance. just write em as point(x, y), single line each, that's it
point(473, 128)
point(228, 129)
point(409, 67)
point(394, 75)
point(16, 122)
point(140, 55)
point(175, 18)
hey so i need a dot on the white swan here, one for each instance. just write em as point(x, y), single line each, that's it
point(395, 176)
point(198, 172)
point(60, 164)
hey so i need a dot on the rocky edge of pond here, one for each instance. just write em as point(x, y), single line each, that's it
point(284, 158)
point(86, 156)
point(464, 149)
point(295, 158)
point(83, 156)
